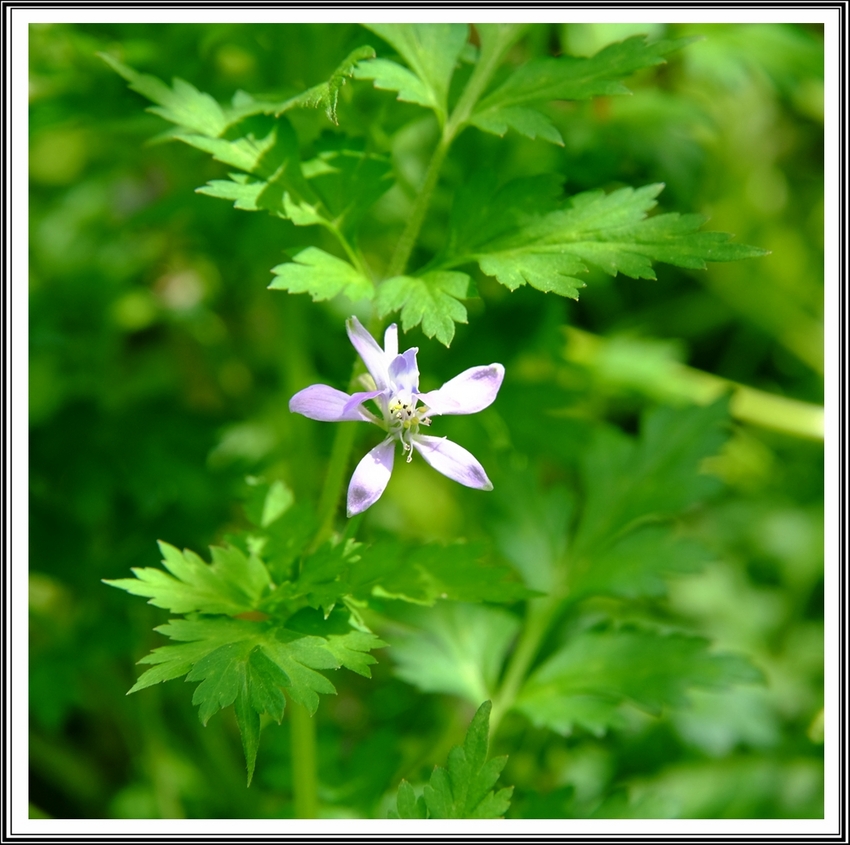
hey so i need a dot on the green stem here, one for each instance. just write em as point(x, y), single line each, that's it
point(334, 481)
point(305, 793)
point(539, 618)
point(406, 242)
point(479, 80)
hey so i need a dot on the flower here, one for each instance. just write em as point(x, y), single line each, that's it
point(404, 410)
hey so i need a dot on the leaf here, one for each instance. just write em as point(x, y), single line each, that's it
point(635, 565)
point(249, 664)
point(431, 51)
point(347, 178)
point(432, 299)
point(325, 95)
point(182, 104)
point(550, 248)
point(573, 78)
point(456, 649)
point(322, 275)
point(427, 572)
point(529, 122)
point(464, 790)
point(391, 76)
point(408, 805)
point(655, 476)
point(588, 679)
point(233, 583)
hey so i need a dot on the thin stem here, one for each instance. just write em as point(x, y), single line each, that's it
point(331, 492)
point(406, 242)
point(539, 617)
point(305, 793)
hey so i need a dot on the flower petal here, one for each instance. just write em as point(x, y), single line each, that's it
point(391, 342)
point(471, 391)
point(404, 375)
point(371, 477)
point(452, 460)
point(321, 402)
point(367, 348)
point(357, 399)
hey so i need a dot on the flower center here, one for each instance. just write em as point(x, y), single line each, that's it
point(404, 421)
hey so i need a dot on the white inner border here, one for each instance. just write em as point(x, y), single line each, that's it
point(18, 20)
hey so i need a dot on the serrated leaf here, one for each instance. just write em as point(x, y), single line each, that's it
point(457, 649)
point(431, 51)
point(322, 275)
point(326, 94)
point(249, 664)
point(233, 583)
point(572, 78)
point(527, 121)
point(432, 299)
point(464, 789)
point(182, 104)
point(587, 680)
point(391, 76)
point(550, 249)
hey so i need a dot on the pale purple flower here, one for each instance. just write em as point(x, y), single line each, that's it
point(394, 388)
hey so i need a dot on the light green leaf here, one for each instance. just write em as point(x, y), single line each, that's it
point(391, 76)
point(598, 670)
point(233, 583)
point(431, 51)
point(654, 477)
point(635, 565)
point(432, 299)
point(527, 121)
point(457, 649)
point(321, 275)
point(408, 805)
point(550, 248)
point(183, 104)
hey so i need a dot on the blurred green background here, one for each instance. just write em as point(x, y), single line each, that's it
point(161, 368)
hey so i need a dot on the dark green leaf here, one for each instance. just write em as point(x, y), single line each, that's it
point(571, 78)
point(527, 121)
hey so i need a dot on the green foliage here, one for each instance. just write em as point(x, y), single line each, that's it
point(547, 249)
point(432, 300)
point(586, 682)
point(464, 790)
point(431, 52)
point(322, 276)
point(612, 595)
point(564, 78)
